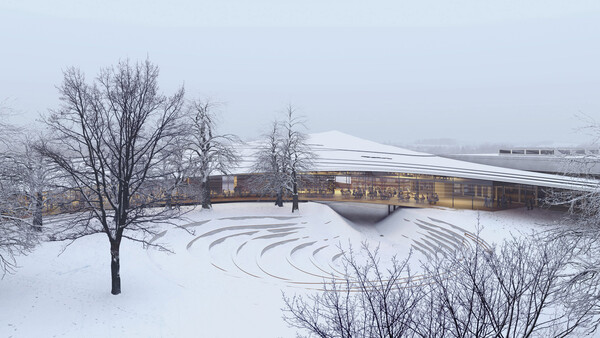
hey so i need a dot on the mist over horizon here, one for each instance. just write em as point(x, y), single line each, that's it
point(389, 71)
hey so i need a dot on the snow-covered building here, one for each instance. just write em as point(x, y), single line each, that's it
point(348, 168)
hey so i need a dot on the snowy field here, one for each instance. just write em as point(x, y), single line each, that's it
point(227, 278)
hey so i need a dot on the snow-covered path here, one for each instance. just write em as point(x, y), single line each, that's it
point(226, 279)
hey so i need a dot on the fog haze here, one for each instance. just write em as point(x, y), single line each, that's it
point(389, 71)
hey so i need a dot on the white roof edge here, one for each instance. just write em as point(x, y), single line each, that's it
point(337, 151)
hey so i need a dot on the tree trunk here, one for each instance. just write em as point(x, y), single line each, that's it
point(37, 211)
point(295, 202)
point(169, 200)
point(205, 194)
point(295, 196)
point(114, 268)
point(279, 200)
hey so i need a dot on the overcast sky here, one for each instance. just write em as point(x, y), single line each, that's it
point(390, 71)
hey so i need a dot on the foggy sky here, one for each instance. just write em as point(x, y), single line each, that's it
point(390, 71)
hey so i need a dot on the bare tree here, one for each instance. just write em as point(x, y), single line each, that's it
point(370, 301)
point(214, 152)
point(297, 155)
point(520, 289)
point(515, 290)
point(34, 176)
point(16, 235)
point(582, 204)
point(269, 165)
point(110, 137)
point(582, 219)
point(176, 168)
point(283, 156)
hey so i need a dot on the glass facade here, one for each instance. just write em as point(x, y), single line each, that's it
point(410, 190)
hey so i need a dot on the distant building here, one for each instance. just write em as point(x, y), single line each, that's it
point(543, 160)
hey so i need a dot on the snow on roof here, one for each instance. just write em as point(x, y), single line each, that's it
point(337, 151)
point(336, 140)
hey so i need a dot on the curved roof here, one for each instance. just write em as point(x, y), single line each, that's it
point(337, 151)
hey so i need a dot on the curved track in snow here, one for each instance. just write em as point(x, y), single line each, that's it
point(288, 250)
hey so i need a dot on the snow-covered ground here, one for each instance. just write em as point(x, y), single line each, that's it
point(227, 279)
